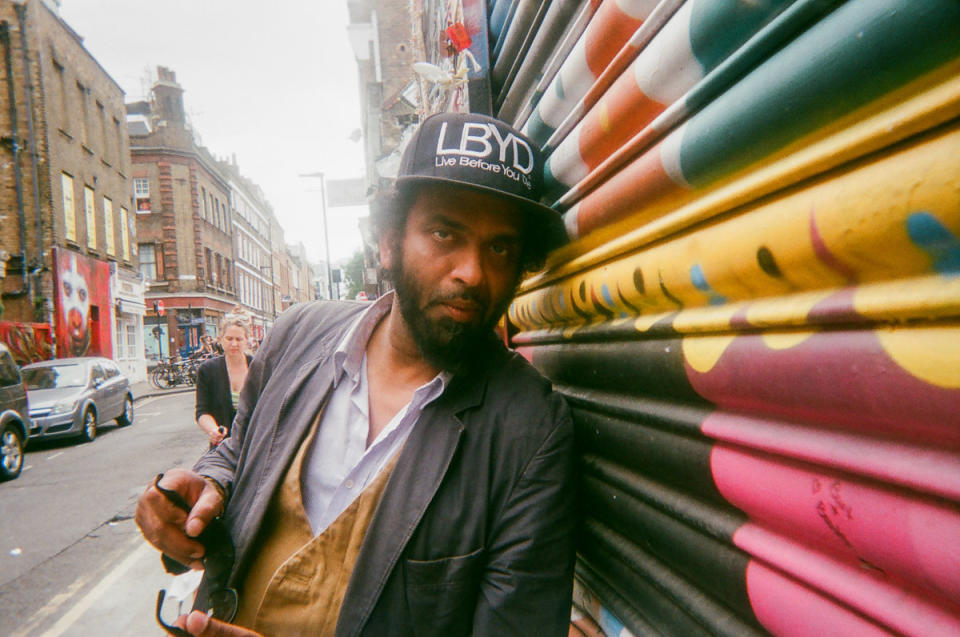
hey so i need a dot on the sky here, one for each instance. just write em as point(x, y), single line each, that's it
point(273, 81)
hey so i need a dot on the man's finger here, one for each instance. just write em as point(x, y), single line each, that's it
point(187, 483)
point(199, 625)
point(208, 506)
point(162, 521)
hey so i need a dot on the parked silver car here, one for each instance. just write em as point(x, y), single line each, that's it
point(69, 396)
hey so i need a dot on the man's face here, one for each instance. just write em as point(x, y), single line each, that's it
point(455, 270)
point(75, 301)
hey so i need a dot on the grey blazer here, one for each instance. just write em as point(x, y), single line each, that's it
point(474, 531)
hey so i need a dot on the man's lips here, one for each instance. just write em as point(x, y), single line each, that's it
point(460, 310)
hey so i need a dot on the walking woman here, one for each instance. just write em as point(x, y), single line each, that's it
point(220, 379)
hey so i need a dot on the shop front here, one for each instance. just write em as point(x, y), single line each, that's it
point(128, 324)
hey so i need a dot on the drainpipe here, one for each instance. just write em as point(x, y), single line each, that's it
point(21, 10)
point(17, 178)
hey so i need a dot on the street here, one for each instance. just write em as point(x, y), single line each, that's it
point(72, 561)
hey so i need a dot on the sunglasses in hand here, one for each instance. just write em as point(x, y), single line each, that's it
point(218, 555)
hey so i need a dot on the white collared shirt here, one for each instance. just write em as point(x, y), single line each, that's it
point(338, 464)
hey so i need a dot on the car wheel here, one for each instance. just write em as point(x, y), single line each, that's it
point(126, 418)
point(11, 453)
point(89, 432)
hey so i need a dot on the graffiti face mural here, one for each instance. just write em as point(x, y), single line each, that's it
point(75, 308)
point(82, 290)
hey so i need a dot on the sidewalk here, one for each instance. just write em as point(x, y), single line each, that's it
point(144, 389)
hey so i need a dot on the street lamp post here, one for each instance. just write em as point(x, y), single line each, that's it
point(326, 235)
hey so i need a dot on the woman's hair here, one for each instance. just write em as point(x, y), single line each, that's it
point(239, 319)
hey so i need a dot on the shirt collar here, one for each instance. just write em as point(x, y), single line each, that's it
point(350, 352)
point(350, 355)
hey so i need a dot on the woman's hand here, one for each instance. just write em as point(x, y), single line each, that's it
point(214, 432)
point(217, 435)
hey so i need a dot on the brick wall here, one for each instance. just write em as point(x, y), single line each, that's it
point(79, 130)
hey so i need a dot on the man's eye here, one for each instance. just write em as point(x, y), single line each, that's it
point(441, 234)
point(501, 249)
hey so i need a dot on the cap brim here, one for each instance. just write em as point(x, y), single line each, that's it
point(551, 220)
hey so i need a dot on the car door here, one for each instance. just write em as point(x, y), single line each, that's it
point(100, 391)
point(115, 387)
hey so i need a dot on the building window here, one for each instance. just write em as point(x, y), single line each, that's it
point(108, 226)
point(90, 206)
point(131, 340)
point(118, 337)
point(216, 212)
point(62, 97)
point(148, 261)
point(102, 123)
point(69, 214)
point(84, 114)
point(203, 202)
point(209, 262)
point(141, 193)
point(125, 232)
point(118, 139)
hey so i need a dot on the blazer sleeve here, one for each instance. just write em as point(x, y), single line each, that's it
point(528, 583)
point(206, 388)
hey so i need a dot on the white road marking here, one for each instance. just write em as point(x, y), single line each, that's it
point(52, 606)
point(143, 414)
point(27, 468)
point(91, 598)
point(60, 453)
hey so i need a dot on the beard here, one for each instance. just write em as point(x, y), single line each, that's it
point(445, 343)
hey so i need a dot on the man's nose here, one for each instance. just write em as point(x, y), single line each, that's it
point(468, 267)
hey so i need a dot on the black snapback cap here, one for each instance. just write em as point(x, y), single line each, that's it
point(481, 153)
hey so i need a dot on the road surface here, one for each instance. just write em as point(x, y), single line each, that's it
point(72, 561)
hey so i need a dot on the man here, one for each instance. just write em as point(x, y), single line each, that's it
point(393, 469)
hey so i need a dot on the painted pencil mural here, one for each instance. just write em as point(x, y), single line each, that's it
point(757, 320)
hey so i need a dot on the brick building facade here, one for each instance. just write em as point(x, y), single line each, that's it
point(66, 231)
point(254, 226)
point(184, 223)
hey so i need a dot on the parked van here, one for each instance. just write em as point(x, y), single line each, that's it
point(14, 420)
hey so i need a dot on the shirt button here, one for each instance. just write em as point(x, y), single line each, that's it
point(348, 484)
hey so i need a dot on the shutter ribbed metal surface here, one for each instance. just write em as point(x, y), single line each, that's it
point(757, 322)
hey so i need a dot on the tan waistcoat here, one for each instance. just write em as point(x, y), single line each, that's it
point(297, 581)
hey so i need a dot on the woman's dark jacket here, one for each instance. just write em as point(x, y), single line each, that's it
point(213, 391)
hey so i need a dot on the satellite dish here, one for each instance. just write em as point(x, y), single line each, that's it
point(431, 72)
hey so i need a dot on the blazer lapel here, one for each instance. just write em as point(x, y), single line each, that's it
point(300, 406)
point(405, 499)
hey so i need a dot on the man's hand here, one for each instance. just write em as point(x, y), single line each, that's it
point(170, 528)
point(199, 625)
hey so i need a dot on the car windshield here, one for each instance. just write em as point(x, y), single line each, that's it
point(55, 376)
